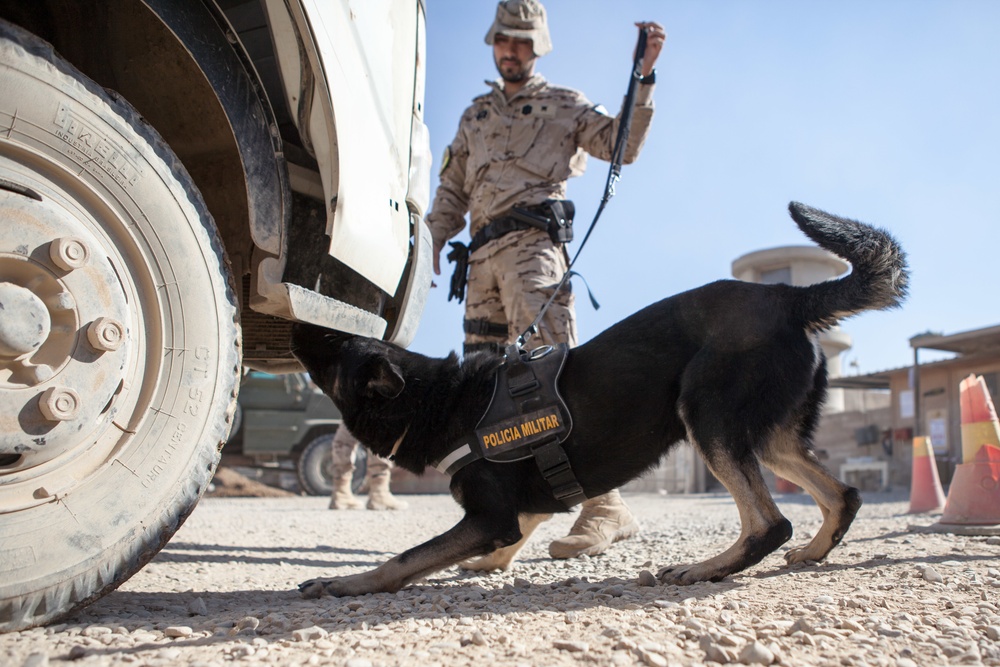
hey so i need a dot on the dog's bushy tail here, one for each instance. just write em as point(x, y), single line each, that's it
point(878, 279)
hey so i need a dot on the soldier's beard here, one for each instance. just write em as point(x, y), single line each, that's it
point(512, 71)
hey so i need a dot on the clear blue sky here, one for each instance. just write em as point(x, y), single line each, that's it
point(887, 111)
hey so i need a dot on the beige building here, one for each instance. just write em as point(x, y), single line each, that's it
point(924, 397)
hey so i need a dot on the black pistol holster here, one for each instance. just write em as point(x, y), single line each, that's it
point(460, 256)
point(553, 215)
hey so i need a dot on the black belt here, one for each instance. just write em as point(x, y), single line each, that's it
point(506, 224)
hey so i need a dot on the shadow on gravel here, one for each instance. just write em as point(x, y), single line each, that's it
point(869, 498)
point(225, 553)
point(872, 563)
point(226, 613)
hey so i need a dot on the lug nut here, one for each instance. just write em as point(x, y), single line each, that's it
point(69, 253)
point(106, 334)
point(59, 404)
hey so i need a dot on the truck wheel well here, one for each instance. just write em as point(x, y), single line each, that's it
point(122, 45)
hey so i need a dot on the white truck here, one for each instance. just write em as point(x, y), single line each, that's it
point(180, 181)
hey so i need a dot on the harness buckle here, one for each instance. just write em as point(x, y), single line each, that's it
point(522, 388)
point(568, 490)
point(556, 470)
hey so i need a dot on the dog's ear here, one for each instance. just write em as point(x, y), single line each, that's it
point(384, 378)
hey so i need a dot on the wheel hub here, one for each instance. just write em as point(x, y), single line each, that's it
point(64, 332)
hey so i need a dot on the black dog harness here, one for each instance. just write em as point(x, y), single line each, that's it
point(526, 418)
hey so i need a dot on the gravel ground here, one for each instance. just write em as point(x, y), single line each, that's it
point(223, 591)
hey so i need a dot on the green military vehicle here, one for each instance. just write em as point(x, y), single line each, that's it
point(285, 422)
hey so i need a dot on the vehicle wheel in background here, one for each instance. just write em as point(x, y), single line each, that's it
point(314, 467)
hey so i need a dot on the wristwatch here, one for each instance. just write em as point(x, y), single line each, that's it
point(649, 79)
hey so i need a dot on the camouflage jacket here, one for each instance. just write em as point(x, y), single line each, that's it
point(523, 150)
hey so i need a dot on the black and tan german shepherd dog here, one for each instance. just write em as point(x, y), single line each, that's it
point(732, 367)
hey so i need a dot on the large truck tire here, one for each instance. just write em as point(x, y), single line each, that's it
point(119, 338)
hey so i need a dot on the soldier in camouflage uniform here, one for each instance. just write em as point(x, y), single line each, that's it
point(344, 451)
point(516, 146)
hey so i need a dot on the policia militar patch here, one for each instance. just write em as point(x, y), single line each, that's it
point(521, 430)
point(526, 418)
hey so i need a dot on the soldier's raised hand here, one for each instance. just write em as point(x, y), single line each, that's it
point(654, 44)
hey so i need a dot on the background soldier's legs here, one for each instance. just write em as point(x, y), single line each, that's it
point(343, 451)
point(379, 495)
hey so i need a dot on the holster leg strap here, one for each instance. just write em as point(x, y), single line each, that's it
point(485, 328)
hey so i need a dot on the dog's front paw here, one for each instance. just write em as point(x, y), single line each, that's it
point(496, 561)
point(685, 575)
point(312, 589)
point(804, 554)
point(357, 584)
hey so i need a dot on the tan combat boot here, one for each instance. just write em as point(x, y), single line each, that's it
point(342, 497)
point(379, 495)
point(603, 521)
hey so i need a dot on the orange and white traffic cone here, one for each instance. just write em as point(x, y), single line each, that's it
point(926, 494)
point(974, 495)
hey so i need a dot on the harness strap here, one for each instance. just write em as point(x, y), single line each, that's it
point(554, 465)
point(520, 378)
point(457, 459)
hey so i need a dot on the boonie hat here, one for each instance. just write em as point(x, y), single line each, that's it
point(523, 19)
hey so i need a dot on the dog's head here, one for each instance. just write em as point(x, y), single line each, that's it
point(364, 378)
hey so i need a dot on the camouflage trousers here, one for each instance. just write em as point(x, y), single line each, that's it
point(510, 280)
point(344, 451)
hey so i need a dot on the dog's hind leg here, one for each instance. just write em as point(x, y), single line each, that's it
point(763, 528)
point(503, 558)
point(475, 535)
point(788, 456)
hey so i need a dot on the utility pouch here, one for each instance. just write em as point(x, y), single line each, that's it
point(561, 220)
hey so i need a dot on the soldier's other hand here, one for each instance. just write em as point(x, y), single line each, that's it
point(437, 258)
point(654, 44)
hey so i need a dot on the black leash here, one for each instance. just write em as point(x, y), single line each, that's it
point(614, 175)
